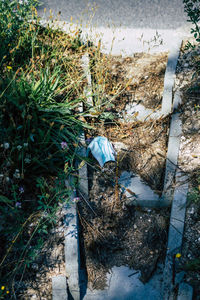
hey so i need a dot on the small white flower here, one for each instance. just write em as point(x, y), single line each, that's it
point(19, 147)
point(27, 160)
point(6, 145)
point(7, 179)
point(25, 144)
point(16, 174)
point(1, 176)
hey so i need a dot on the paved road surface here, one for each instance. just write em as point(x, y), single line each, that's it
point(154, 14)
point(133, 22)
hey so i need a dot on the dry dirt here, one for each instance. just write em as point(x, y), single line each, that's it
point(144, 74)
point(119, 234)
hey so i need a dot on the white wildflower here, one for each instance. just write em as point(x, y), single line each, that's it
point(27, 160)
point(16, 174)
point(19, 147)
point(6, 145)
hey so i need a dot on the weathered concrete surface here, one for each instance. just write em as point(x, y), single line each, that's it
point(143, 113)
point(169, 77)
point(185, 292)
point(72, 248)
point(175, 234)
point(145, 196)
point(124, 284)
point(59, 288)
point(86, 69)
point(172, 157)
point(82, 170)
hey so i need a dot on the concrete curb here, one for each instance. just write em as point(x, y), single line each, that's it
point(59, 288)
point(179, 197)
point(71, 233)
point(72, 248)
point(169, 78)
point(172, 158)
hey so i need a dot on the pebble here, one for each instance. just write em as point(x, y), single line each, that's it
point(135, 226)
point(191, 210)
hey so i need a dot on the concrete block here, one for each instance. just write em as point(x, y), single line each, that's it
point(185, 292)
point(59, 288)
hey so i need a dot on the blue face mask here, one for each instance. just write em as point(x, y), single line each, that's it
point(102, 150)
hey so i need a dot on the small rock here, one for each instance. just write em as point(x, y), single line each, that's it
point(191, 210)
point(35, 266)
point(135, 226)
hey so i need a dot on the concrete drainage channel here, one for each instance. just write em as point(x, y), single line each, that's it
point(173, 286)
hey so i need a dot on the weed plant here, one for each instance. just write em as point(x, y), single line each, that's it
point(41, 87)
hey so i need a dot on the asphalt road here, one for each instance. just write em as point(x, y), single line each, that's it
point(152, 14)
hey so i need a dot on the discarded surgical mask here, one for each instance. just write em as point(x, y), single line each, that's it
point(102, 150)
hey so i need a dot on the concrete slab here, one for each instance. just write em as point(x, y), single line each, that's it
point(143, 113)
point(144, 195)
point(185, 292)
point(59, 288)
point(124, 284)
